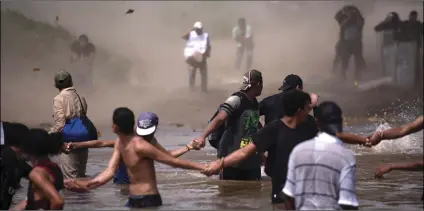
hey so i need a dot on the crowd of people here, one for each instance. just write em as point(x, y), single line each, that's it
point(300, 137)
point(291, 144)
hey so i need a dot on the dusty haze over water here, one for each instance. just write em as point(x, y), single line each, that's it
point(291, 37)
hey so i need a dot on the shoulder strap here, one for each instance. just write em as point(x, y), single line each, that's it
point(82, 106)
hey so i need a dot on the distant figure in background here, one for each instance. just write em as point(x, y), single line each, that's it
point(413, 29)
point(351, 24)
point(391, 28)
point(196, 52)
point(83, 55)
point(243, 35)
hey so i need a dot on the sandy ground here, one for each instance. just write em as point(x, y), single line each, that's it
point(156, 77)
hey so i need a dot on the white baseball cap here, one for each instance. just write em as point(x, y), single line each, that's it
point(198, 25)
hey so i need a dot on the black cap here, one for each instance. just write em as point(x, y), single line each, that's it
point(290, 82)
point(253, 76)
point(329, 117)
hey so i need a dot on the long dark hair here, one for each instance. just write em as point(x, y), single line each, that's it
point(41, 143)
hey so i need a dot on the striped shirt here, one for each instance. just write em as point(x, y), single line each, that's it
point(321, 174)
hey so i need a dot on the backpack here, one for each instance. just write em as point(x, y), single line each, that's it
point(79, 129)
point(216, 135)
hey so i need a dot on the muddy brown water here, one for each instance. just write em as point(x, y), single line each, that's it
point(190, 190)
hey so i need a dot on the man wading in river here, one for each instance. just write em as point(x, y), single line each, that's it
point(243, 35)
point(82, 59)
point(138, 155)
point(196, 52)
point(121, 175)
point(240, 114)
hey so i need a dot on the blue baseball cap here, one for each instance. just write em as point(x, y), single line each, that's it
point(147, 123)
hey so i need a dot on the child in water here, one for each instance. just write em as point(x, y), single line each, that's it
point(46, 178)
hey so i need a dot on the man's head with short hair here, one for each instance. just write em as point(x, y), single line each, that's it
point(123, 121)
point(292, 81)
point(296, 103)
point(147, 125)
point(413, 15)
point(63, 80)
point(329, 117)
point(252, 82)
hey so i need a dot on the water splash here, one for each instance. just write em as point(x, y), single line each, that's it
point(396, 114)
point(400, 113)
point(411, 144)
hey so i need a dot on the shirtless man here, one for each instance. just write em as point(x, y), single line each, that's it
point(138, 154)
point(121, 175)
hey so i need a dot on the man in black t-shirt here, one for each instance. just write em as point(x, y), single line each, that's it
point(295, 127)
point(240, 113)
point(272, 108)
point(13, 168)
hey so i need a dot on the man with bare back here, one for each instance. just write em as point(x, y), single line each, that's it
point(137, 153)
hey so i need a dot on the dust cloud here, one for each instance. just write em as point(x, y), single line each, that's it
point(140, 60)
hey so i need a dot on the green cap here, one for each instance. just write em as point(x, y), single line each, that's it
point(62, 77)
point(253, 76)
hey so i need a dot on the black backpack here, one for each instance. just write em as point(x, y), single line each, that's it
point(216, 135)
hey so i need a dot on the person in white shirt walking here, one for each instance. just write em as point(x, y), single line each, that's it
point(242, 34)
point(196, 52)
point(322, 172)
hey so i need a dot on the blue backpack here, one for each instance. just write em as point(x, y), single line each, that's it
point(79, 129)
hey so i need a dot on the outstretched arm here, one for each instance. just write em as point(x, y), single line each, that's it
point(108, 173)
point(410, 166)
point(399, 132)
point(92, 144)
point(176, 152)
point(150, 151)
point(350, 138)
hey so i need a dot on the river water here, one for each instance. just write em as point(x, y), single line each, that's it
point(190, 190)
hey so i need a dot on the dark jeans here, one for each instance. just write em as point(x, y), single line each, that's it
point(348, 49)
point(231, 173)
point(241, 50)
point(193, 66)
point(144, 201)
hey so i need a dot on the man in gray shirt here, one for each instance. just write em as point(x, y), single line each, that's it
point(321, 172)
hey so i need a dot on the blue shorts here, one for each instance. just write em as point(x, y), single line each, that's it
point(142, 201)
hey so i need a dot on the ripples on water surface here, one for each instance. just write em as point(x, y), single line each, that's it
point(189, 190)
